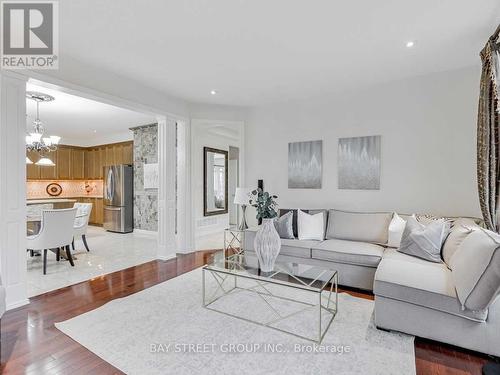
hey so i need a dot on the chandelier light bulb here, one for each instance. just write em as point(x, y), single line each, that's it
point(47, 141)
point(28, 139)
point(28, 160)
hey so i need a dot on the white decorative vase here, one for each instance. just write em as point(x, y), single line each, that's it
point(267, 245)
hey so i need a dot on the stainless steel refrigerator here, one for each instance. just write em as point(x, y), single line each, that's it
point(119, 198)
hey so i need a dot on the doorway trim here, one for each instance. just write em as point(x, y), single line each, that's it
point(12, 156)
point(196, 125)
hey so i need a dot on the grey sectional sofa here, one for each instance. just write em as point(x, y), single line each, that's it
point(412, 295)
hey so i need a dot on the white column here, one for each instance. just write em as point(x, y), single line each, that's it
point(184, 243)
point(13, 188)
point(166, 190)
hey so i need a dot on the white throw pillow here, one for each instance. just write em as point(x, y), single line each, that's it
point(311, 227)
point(396, 229)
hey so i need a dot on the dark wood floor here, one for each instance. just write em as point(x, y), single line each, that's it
point(32, 345)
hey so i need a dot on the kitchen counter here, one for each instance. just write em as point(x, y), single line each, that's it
point(50, 200)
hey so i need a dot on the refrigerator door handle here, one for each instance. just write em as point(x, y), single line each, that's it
point(112, 208)
point(110, 186)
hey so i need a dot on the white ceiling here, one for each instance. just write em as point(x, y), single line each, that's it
point(83, 122)
point(261, 51)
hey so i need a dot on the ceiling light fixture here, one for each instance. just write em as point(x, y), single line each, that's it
point(213, 92)
point(45, 162)
point(410, 44)
point(35, 141)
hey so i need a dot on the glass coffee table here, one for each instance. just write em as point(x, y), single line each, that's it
point(294, 298)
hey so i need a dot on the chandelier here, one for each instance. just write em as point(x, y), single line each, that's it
point(35, 140)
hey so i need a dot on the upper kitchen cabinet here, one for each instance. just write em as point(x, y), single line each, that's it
point(49, 173)
point(63, 165)
point(33, 170)
point(78, 163)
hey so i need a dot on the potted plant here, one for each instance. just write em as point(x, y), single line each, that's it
point(267, 241)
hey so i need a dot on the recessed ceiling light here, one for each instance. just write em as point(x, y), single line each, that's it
point(410, 44)
point(213, 92)
point(95, 131)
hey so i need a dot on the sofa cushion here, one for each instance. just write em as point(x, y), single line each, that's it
point(283, 225)
point(350, 252)
point(357, 226)
point(417, 281)
point(424, 241)
point(475, 268)
point(462, 227)
point(395, 230)
point(297, 248)
point(311, 226)
point(284, 211)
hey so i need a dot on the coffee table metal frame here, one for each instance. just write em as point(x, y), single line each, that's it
point(235, 270)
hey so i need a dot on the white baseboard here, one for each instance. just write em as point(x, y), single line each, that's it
point(15, 305)
point(166, 257)
point(144, 231)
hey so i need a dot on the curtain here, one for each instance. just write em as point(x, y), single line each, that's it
point(488, 161)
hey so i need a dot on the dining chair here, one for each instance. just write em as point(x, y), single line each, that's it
point(56, 232)
point(81, 223)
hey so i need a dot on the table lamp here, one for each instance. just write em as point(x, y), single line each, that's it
point(242, 198)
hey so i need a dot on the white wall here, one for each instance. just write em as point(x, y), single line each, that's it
point(428, 134)
point(203, 136)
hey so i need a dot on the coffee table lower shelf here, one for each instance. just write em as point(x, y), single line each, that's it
point(227, 284)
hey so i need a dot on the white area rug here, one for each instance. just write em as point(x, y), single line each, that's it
point(165, 330)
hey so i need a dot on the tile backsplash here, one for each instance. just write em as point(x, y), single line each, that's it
point(70, 189)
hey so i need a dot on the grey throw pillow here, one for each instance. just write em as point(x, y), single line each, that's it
point(475, 268)
point(424, 241)
point(284, 225)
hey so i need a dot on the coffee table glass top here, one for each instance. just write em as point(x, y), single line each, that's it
point(294, 274)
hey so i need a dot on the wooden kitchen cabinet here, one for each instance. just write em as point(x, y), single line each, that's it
point(33, 170)
point(97, 214)
point(49, 173)
point(128, 153)
point(99, 211)
point(78, 164)
point(100, 162)
point(63, 165)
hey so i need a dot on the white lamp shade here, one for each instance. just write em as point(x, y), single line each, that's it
point(28, 160)
point(28, 139)
point(47, 141)
point(36, 137)
point(46, 162)
point(242, 196)
point(55, 139)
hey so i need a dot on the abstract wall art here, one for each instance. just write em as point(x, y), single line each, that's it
point(359, 163)
point(305, 165)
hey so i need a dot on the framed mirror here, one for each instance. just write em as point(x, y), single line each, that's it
point(215, 163)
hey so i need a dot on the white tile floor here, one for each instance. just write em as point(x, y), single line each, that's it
point(109, 252)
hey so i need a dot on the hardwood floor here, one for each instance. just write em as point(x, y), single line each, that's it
point(32, 345)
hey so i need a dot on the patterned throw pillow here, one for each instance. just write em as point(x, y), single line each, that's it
point(284, 225)
point(424, 241)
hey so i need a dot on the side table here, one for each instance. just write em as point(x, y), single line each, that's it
point(234, 240)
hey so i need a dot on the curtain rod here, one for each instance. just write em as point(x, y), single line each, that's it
point(495, 34)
